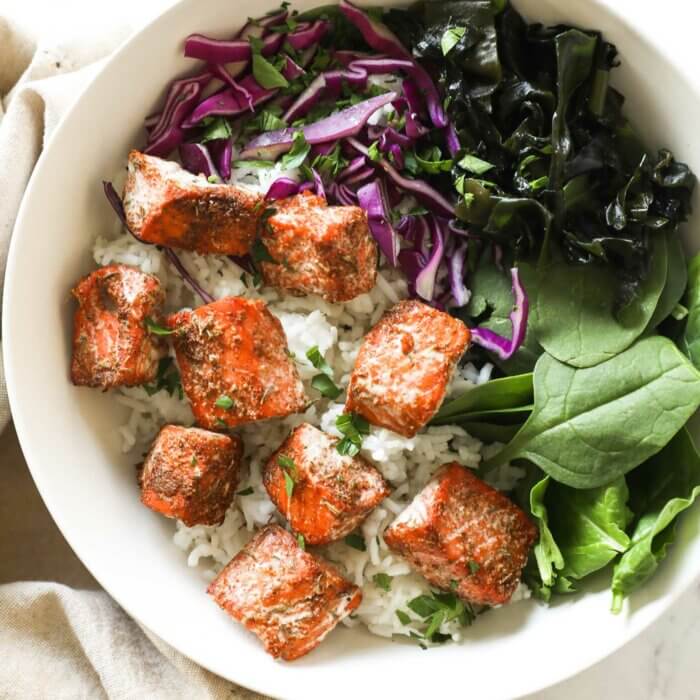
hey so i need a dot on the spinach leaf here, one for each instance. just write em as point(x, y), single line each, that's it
point(506, 416)
point(589, 525)
point(574, 316)
point(676, 280)
point(590, 426)
point(490, 432)
point(506, 392)
point(547, 554)
point(660, 490)
point(690, 342)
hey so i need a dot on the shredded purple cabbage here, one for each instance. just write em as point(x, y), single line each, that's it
point(196, 158)
point(340, 125)
point(504, 347)
point(372, 199)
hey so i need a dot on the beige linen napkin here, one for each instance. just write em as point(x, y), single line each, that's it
point(57, 642)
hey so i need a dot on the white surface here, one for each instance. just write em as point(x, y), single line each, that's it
point(90, 489)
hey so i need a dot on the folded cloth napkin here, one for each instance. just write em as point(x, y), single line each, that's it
point(58, 642)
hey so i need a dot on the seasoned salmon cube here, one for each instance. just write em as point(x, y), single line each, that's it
point(191, 474)
point(319, 249)
point(331, 494)
point(404, 366)
point(464, 536)
point(166, 205)
point(111, 344)
point(289, 598)
point(234, 363)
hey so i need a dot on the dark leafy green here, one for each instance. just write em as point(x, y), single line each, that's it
point(690, 339)
point(503, 393)
point(574, 311)
point(588, 525)
point(660, 491)
point(590, 426)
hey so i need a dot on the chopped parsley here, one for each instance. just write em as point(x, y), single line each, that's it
point(418, 211)
point(325, 385)
point(260, 253)
point(314, 356)
point(225, 402)
point(439, 608)
point(353, 427)
point(213, 179)
point(373, 151)
point(215, 128)
point(297, 153)
point(253, 164)
point(451, 38)
point(382, 581)
point(356, 541)
point(475, 165)
point(156, 329)
point(221, 423)
point(289, 470)
point(404, 618)
point(432, 162)
point(167, 377)
point(331, 164)
point(265, 73)
point(245, 492)
point(473, 567)
point(301, 541)
point(193, 461)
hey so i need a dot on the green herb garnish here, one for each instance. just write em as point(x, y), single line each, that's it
point(356, 541)
point(215, 128)
point(156, 329)
point(245, 492)
point(297, 153)
point(325, 385)
point(451, 38)
point(382, 581)
point(353, 427)
point(404, 618)
point(264, 72)
point(301, 541)
point(224, 401)
point(314, 356)
point(167, 377)
point(475, 165)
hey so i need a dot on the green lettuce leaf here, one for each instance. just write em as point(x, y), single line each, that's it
point(661, 489)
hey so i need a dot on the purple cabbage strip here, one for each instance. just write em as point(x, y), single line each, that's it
point(258, 27)
point(381, 39)
point(241, 94)
point(411, 263)
point(186, 89)
point(282, 187)
point(115, 200)
point(427, 277)
point(245, 262)
point(318, 183)
point(355, 165)
point(455, 263)
point(306, 100)
point(292, 69)
point(343, 194)
point(164, 141)
point(336, 126)
point(496, 343)
point(196, 159)
point(186, 276)
point(226, 103)
point(452, 224)
point(372, 199)
point(360, 177)
point(222, 153)
point(452, 140)
point(305, 36)
point(421, 189)
point(228, 51)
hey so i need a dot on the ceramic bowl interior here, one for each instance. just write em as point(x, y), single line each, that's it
point(68, 434)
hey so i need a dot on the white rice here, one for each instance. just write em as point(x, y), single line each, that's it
point(337, 329)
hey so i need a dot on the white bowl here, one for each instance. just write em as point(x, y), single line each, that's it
point(68, 434)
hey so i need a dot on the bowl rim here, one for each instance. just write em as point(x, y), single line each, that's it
point(23, 433)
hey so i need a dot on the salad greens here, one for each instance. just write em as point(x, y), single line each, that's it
point(590, 426)
point(514, 143)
